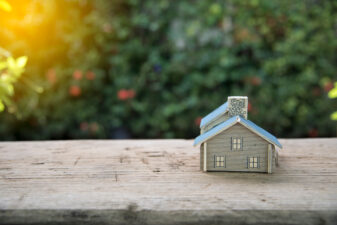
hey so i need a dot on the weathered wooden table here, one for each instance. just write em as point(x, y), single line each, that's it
point(159, 182)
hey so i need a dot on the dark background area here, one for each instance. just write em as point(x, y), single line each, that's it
point(154, 68)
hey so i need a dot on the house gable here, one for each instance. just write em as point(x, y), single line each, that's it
point(236, 160)
point(250, 139)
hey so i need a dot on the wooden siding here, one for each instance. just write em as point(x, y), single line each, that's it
point(202, 157)
point(253, 146)
point(270, 158)
point(212, 124)
point(274, 157)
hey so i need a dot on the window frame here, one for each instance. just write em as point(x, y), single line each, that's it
point(253, 162)
point(221, 159)
point(236, 143)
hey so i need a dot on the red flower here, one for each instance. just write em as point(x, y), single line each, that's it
point(197, 121)
point(77, 75)
point(313, 132)
point(122, 94)
point(90, 75)
point(328, 86)
point(256, 81)
point(75, 91)
point(125, 94)
point(51, 76)
point(249, 107)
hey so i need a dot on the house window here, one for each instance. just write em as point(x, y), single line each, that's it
point(219, 161)
point(236, 143)
point(253, 162)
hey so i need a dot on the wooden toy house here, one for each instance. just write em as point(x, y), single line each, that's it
point(230, 142)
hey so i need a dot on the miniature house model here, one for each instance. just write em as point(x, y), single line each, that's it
point(230, 142)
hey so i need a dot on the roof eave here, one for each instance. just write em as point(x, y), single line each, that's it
point(262, 136)
point(204, 125)
point(224, 128)
point(238, 120)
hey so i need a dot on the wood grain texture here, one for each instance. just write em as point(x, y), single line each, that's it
point(159, 182)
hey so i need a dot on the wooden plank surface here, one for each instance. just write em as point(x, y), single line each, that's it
point(159, 182)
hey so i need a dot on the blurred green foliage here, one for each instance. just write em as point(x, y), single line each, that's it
point(152, 68)
point(5, 6)
point(333, 94)
point(10, 70)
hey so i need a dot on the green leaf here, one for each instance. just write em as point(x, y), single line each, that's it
point(334, 116)
point(4, 5)
point(333, 92)
point(215, 9)
point(11, 63)
point(10, 89)
point(3, 65)
point(21, 61)
point(2, 106)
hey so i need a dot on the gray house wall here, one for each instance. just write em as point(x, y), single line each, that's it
point(202, 157)
point(236, 160)
point(209, 126)
point(275, 157)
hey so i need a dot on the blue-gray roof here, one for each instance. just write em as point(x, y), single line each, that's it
point(213, 115)
point(230, 122)
point(215, 130)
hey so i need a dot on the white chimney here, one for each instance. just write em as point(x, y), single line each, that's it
point(238, 106)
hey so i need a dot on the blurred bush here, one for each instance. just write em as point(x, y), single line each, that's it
point(153, 68)
point(333, 94)
point(10, 70)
